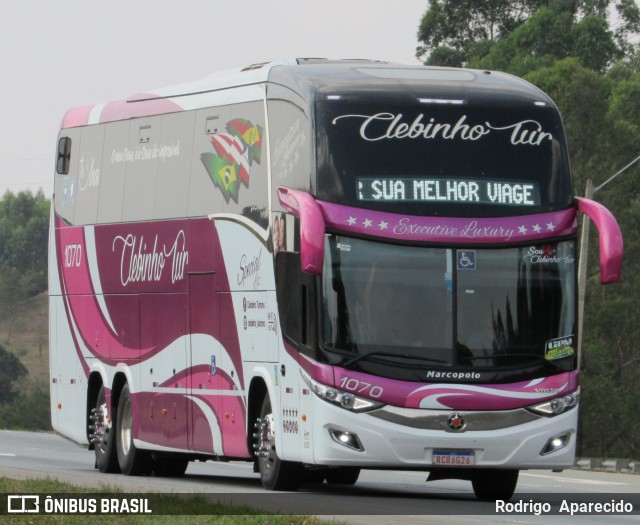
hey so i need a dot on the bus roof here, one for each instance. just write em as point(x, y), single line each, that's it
point(311, 77)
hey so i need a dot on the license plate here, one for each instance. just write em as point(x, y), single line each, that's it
point(460, 458)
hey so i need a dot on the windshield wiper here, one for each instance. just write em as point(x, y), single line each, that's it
point(360, 357)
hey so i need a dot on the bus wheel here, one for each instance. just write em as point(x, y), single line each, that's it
point(132, 461)
point(343, 475)
point(275, 474)
point(493, 484)
point(103, 436)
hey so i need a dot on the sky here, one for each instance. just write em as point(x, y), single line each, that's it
point(70, 53)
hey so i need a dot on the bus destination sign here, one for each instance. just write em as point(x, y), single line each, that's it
point(401, 189)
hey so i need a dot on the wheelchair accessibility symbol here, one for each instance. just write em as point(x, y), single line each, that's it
point(466, 260)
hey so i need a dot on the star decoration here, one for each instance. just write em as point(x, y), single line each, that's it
point(550, 226)
point(383, 225)
point(522, 230)
point(352, 221)
point(536, 228)
point(368, 223)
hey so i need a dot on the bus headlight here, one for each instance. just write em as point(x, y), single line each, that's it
point(346, 400)
point(558, 405)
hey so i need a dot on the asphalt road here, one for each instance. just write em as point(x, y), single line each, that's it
point(378, 497)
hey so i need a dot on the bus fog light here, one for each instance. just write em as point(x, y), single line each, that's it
point(347, 439)
point(556, 443)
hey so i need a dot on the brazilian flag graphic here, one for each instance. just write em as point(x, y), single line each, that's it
point(235, 153)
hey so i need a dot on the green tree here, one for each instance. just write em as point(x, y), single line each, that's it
point(582, 97)
point(24, 223)
point(11, 370)
point(549, 35)
point(526, 34)
point(453, 28)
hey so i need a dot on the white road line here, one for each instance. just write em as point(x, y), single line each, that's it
point(585, 481)
point(7, 454)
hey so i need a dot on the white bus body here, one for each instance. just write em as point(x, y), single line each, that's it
point(219, 260)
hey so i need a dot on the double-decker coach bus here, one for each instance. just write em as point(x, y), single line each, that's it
point(321, 267)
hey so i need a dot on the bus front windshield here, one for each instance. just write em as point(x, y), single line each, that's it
point(389, 307)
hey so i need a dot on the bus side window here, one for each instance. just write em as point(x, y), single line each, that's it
point(288, 294)
point(297, 302)
point(309, 301)
point(64, 155)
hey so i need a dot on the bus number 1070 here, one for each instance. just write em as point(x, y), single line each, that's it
point(72, 255)
point(361, 387)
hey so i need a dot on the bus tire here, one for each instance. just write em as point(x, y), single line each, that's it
point(275, 473)
point(105, 451)
point(132, 461)
point(494, 484)
point(343, 475)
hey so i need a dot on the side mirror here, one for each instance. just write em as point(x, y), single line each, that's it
point(609, 236)
point(312, 227)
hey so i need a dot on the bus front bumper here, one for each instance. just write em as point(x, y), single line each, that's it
point(426, 439)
